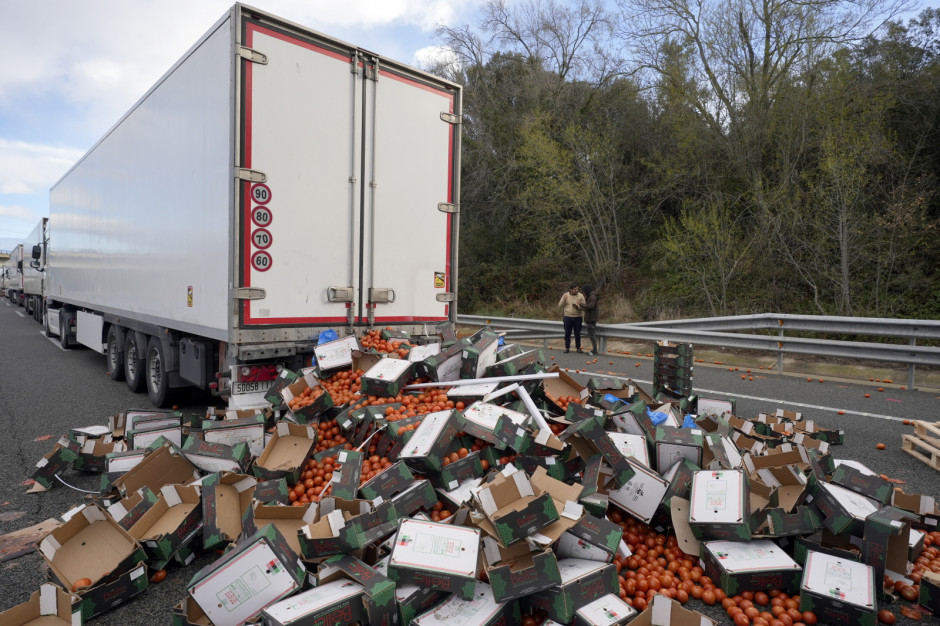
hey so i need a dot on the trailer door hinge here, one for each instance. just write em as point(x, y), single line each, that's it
point(448, 207)
point(249, 293)
point(340, 294)
point(252, 176)
point(447, 296)
point(450, 118)
point(252, 55)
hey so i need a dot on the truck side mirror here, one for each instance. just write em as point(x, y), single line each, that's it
point(37, 252)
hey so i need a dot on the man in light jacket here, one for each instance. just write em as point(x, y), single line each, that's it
point(572, 301)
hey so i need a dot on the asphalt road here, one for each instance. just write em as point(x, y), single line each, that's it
point(46, 391)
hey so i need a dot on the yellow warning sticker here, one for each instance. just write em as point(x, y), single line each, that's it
point(438, 280)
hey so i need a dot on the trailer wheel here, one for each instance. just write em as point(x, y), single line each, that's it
point(158, 379)
point(115, 353)
point(134, 364)
point(64, 331)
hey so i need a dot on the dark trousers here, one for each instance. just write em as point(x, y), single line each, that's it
point(572, 324)
point(592, 334)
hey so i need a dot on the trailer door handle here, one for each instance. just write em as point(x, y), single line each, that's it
point(381, 295)
point(340, 294)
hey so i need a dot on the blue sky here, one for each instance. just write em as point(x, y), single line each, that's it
point(73, 68)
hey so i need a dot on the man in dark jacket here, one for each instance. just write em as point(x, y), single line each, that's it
point(590, 315)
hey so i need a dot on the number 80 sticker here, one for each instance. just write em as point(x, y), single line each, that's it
point(261, 261)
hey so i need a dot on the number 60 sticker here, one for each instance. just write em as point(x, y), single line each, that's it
point(261, 261)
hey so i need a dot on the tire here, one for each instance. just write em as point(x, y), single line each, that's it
point(114, 353)
point(134, 363)
point(158, 379)
point(64, 331)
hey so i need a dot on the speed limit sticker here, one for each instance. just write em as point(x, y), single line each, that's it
point(261, 261)
point(261, 193)
point(261, 216)
point(261, 238)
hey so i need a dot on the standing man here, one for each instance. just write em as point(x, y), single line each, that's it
point(590, 316)
point(572, 301)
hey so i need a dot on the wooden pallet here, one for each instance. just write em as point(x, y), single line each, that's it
point(929, 432)
point(921, 450)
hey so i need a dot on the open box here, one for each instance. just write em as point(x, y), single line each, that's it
point(226, 497)
point(517, 571)
point(378, 595)
point(514, 507)
point(662, 611)
point(168, 524)
point(49, 606)
point(286, 452)
point(582, 582)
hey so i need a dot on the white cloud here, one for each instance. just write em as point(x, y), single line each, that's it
point(32, 168)
point(18, 213)
point(434, 56)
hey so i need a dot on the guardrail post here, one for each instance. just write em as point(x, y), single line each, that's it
point(910, 368)
point(780, 353)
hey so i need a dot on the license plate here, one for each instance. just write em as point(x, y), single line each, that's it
point(239, 389)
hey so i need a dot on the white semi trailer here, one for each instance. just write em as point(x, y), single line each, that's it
point(13, 272)
point(274, 183)
point(34, 269)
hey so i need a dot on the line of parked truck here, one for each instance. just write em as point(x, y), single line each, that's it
point(273, 184)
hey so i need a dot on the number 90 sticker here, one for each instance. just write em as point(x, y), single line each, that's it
point(261, 193)
point(261, 261)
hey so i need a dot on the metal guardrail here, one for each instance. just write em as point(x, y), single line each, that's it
point(711, 332)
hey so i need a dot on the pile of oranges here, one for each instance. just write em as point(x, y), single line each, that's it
point(329, 435)
point(373, 341)
point(563, 401)
point(307, 397)
point(658, 566)
point(309, 488)
point(343, 386)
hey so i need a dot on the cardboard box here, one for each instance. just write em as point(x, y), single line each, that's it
point(226, 497)
point(632, 446)
point(231, 432)
point(412, 600)
point(252, 576)
point(719, 452)
point(442, 367)
point(838, 591)
point(593, 437)
point(737, 566)
point(517, 571)
point(563, 386)
point(886, 541)
point(482, 418)
point(719, 505)
point(592, 538)
point(337, 602)
point(869, 485)
point(607, 610)
point(929, 596)
point(378, 596)
point(286, 453)
point(50, 606)
point(63, 454)
point(420, 496)
point(843, 511)
point(662, 611)
point(389, 482)
point(673, 444)
point(481, 609)
point(582, 582)
point(170, 522)
point(386, 378)
point(346, 474)
point(839, 546)
point(128, 510)
point(438, 556)
point(642, 494)
point(93, 455)
point(316, 399)
point(469, 394)
point(337, 353)
point(515, 507)
point(679, 477)
point(273, 394)
point(92, 545)
point(165, 464)
point(478, 352)
point(217, 457)
point(432, 439)
point(514, 364)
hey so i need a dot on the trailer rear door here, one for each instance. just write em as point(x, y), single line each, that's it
point(357, 159)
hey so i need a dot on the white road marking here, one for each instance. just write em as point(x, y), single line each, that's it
point(21, 314)
point(803, 405)
point(54, 340)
